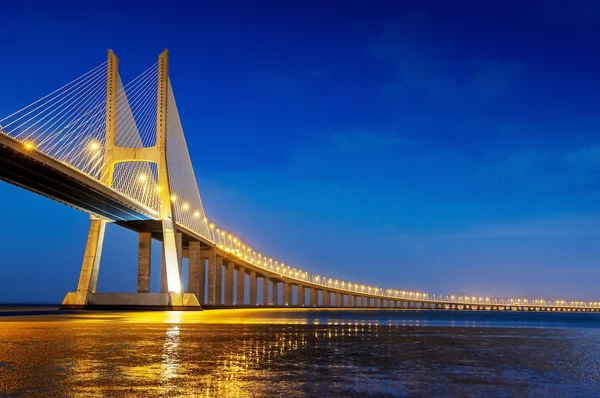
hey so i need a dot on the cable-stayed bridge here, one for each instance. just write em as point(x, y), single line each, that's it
point(118, 152)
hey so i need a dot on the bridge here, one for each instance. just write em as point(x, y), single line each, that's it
point(118, 152)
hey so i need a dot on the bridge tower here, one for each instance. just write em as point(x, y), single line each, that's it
point(172, 252)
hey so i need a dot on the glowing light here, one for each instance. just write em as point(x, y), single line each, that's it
point(197, 214)
point(212, 226)
point(173, 198)
point(29, 145)
point(186, 206)
point(142, 178)
point(158, 189)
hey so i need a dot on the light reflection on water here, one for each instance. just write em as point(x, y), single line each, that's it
point(269, 353)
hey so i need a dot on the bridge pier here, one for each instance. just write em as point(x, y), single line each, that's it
point(144, 251)
point(314, 297)
point(325, 298)
point(229, 283)
point(210, 255)
point(301, 296)
point(241, 286)
point(275, 292)
point(219, 288)
point(196, 271)
point(287, 295)
point(265, 300)
point(253, 292)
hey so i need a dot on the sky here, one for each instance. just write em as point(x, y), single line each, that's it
point(444, 147)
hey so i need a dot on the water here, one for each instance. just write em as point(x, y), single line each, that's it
point(289, 353)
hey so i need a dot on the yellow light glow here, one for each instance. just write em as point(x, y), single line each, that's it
point(173, 198)
point(94, 146)
point(158, 189)
point(29, 145)
point(186, 206)
point(197, 214)
point(212, 226)
point(143, 178)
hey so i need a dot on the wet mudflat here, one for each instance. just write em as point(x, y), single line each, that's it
point(320, 353)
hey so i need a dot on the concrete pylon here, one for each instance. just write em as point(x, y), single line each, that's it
point(252, 288)
point(265, 300)
point(229, 283)
point(314, 297)
point(113, 154)
point(241, 285)
point(287, 295)
point(144, 254)
point(275, 292)
point(301, 296)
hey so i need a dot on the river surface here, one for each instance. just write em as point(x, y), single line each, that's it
point(290, 353)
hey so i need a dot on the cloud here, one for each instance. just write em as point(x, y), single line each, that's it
point(362, 141)
point(408, 42)
point(494, 78)
point(586, 158)
point(419, 50)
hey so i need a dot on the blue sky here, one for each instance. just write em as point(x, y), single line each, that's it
point(445, 147)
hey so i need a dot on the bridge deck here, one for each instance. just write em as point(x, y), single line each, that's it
point(39, 173)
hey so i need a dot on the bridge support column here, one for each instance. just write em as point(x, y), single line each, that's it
point(211, 257)
point(301, 296)
point(265, 291)
point(338, 299)
point(241, 285)
point(287, 295)
point(163, 273)
point(252, 288)
point(326, 298)
point(275, 292)
point(350, 301)
point(229, 283)
point(88, 277)
point(196, 271)
point(144, 250)
point(314, 297)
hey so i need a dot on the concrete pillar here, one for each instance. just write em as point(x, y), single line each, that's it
point(88, 278)
point(301, 296)
point(378, 303)
point(196, 271)
point(241, 286)
point(265, 291)
point(350, 301)
point(144, 252)
point(211, 256)
point(287, 295)
point(252, 288)
point(275, 292)
point(367, 301)
point(163, 273)
point(338, 299)
point(229, 283)
point(326, 298)
point(314, 297)
point(219, 281)
point(179, 243)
